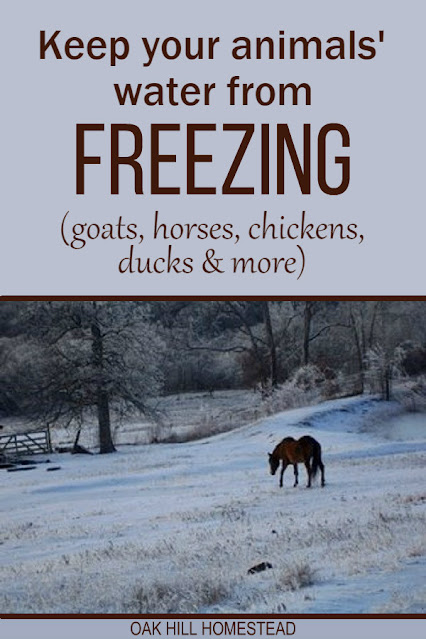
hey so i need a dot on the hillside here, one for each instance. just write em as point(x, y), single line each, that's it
point(175, 527)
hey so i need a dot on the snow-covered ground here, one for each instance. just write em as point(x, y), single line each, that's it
point(175, 527)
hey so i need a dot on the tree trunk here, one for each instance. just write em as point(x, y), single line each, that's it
point(388, 378)
point(271, 343)
point(307, 319)
point(106, 444)
point(105, 440)
point(359, 352)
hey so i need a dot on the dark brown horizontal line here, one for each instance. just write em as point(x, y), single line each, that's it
point(219, 616)
point(210, 298)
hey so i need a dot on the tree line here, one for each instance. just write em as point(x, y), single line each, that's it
point(63, 359)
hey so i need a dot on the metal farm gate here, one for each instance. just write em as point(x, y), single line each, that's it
point(31, 443)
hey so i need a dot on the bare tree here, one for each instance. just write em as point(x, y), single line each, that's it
point(257, 332)
point(77, 356)
point(61, 361)
point(362, 321)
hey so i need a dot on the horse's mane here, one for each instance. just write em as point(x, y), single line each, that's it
point(286, 440)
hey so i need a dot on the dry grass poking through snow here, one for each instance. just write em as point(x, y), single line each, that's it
point(202, 565)
point(210, 573)
point(177, 596)
point(153, 530)
point(300, 575)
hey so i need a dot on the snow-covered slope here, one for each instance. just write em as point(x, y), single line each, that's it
point(175, 528)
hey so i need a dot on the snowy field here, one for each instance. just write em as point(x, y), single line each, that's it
point(175, 527)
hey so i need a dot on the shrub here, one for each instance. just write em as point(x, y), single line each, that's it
point(308, 377)
point(296, 576)
point(177, 596)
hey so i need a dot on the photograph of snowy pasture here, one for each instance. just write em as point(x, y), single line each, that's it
point(134, 447)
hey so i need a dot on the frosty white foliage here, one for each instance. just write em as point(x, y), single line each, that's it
point(412, 394)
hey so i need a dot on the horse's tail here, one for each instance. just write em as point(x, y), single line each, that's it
point(316, 457)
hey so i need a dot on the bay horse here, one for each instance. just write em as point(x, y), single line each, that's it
point(292, 451)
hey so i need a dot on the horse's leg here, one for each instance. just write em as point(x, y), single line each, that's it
point(296, 475)
point(309, 471)
point(283, 467)
point(321, 465)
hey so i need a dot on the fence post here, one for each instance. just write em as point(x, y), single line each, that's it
point(49, 441)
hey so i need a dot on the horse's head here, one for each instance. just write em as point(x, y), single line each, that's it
point(274, 462)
